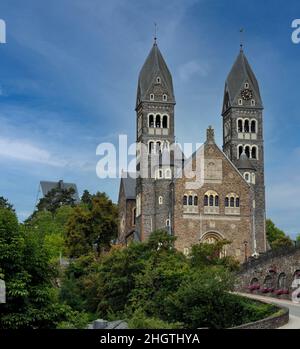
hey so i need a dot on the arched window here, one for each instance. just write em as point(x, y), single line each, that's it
point(247, 151)
point(133, 216)
point(268, 282)
point(165, 97)
point(168, 173)
point(157, 121)
point(247, 176)
point(206, 200)
point(190, 200)
point(211, 199)
point(240, 125)
point(254, 152)
point(195, 200)
point(246, 126)
point(151, 97)
point(240, 148)
point(232, 200)
point(252, 102)
point(184, 201)
point(227, 202)
point(158, 80)
point(217, 200)
point(297, 274)
point(158, 147)
point(254, 281)
point(281, 284)
point(151, 120)
point(151, 147)
point(160, 200)
point(168, 223)
point(165, 121)
point(253, 126)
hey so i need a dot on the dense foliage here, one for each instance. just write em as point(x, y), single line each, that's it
point(32, 301)
point(276, 237)
point(56, 198)
point(62, 270)
point(152, 285)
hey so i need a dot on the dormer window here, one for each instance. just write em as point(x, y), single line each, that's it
point(158, 80)
point(165, 97)
point(151, 97)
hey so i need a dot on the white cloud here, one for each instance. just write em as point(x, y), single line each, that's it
point(25, 151)
point(192, 68)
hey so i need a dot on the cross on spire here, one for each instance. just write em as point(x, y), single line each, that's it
point(155, 32)
point(241, 38)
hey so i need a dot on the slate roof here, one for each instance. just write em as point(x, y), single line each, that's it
point(244, 163)
point(46, 186)
point(129, 184)
point(153, 67)
point(240, 72)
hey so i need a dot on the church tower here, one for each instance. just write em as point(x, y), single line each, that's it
point(155, 136)
point(243, 140)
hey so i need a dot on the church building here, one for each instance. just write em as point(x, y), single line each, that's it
point(213, 195)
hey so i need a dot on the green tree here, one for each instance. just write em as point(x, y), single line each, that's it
point(56, 198)
point(282, 242)
point(203, 300)
point(24, 264)
point(5, 204)
point(204, 255)
point(273, 233)
point(92, 227)
point(87, 198)
point(53, 229)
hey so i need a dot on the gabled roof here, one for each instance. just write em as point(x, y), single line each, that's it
point(129, 184)
point(241, 72)
point(153, 67)
point(47, 186)
point(210, 140)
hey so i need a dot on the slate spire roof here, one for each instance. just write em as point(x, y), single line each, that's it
point(244, 163)
point(154, 66)
point(240, 73)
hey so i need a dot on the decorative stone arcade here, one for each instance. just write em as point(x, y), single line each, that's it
point(274, 274)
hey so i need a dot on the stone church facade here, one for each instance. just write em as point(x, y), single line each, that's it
point(215, 194)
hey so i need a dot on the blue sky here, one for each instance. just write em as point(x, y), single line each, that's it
point(68, 77)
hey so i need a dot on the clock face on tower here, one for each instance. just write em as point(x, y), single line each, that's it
point(246, 94)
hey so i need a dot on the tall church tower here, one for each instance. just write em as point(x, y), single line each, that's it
point(243, 139)
point(155, 137)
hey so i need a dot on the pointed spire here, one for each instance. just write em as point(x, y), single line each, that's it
point(154, 67)
point(240, 73)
